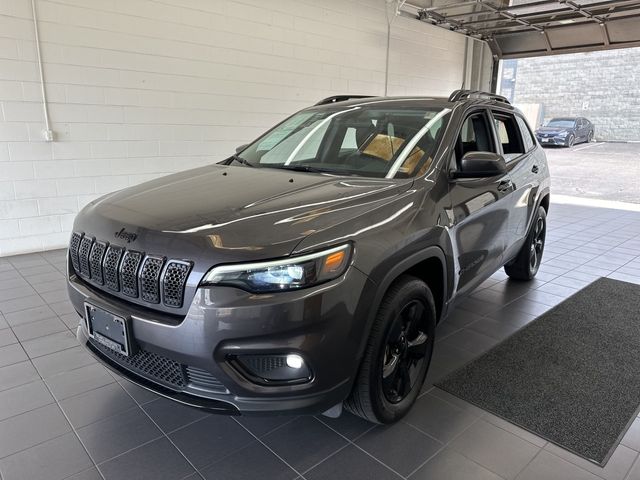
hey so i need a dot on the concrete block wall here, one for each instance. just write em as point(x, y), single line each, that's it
point(602, 86)
point(142, 88)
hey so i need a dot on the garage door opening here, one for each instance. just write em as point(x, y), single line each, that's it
point(585, 109)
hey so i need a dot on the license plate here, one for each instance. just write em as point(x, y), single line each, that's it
point(108, 329)
point(545, 139)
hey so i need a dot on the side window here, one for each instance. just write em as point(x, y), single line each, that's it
point(527, 136)
point(474, 136)
point(509, 136)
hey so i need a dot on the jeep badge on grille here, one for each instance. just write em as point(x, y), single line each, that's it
point(124, 235)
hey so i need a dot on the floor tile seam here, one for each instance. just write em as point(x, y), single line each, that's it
point(295, 470)
point(73, 429)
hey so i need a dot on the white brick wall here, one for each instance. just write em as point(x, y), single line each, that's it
point(141, 88)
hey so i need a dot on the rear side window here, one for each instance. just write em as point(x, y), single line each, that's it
point(527, 136)
point(509, 136)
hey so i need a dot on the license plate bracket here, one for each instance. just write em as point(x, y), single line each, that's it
point(111, 331)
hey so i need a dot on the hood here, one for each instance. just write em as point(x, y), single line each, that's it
point(230, 214)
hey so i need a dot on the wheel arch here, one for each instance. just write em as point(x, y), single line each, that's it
point(545, 198)
point(430, 265)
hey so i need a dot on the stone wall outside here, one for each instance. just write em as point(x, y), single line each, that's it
point(602, 86)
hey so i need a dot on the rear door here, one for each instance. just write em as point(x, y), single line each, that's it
point(583, 129)
point(518, 148)
point(479, 208)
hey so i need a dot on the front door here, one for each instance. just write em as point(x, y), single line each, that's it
point(479, 209)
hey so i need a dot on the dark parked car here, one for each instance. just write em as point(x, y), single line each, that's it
point(566, 132)
point(309, 270)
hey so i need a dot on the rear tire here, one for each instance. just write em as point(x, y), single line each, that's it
point(397, 355)
point(527, 262)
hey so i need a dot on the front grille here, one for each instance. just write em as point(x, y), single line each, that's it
point(174, 280)
point(111, 267)
point(129, 272)
point(150, 278)
point(83, 256)
point(163, 370)
point(148, 364)
point(202, 379)
point(73, 248)
point(95, 261)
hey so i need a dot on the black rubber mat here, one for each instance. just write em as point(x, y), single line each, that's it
point(571, 376)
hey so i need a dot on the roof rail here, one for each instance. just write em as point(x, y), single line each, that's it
point(461, 94)
point(340, 98)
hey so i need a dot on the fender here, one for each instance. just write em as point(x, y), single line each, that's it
point(541, 194)
point(371, 300)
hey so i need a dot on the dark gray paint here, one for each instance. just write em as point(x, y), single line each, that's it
point(223, 214)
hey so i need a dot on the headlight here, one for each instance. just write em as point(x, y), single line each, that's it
point(280, 275)
point(562, 134)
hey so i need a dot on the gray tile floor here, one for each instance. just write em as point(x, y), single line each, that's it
point(62, 415)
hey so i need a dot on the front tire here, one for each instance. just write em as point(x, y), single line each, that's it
point(398, 353)
point(571, 140)
point(527, 262)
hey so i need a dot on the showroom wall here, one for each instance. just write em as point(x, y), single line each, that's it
point(139, 88)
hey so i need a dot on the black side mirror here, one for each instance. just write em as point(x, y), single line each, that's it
point(241, 147)
point(480, 165)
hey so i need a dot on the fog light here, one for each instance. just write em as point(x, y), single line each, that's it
point(273, 369)
point(295, 361)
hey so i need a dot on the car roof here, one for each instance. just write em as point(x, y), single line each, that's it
point(410, 102)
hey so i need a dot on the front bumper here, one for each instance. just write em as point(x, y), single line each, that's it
point(188, 359)
point(562, 141)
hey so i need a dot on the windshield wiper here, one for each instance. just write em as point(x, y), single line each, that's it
point(241, 160)
point(303, 168)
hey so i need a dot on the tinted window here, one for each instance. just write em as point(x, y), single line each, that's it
point(368, 140)
point(509, 136)
point(527, 137)
point(474, 136)
point(562, 123)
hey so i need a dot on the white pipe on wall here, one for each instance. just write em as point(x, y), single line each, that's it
point(48, 133)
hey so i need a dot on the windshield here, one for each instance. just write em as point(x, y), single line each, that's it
point(561, 123)
point(362, 140)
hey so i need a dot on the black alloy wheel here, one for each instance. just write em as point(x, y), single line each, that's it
point(398, 353)
point(405, 351)
point(537, 244)
point(526, 264)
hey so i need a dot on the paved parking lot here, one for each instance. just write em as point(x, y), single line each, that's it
point(605, 171)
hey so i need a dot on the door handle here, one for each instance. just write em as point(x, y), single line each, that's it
point(505, 186)
point(535, 169)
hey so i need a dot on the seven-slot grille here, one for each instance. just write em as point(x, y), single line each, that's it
point(151, 278)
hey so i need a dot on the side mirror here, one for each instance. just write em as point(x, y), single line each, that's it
point(481, 165)
point(241, 147)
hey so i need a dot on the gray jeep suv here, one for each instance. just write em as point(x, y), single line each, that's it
point(308, 271)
